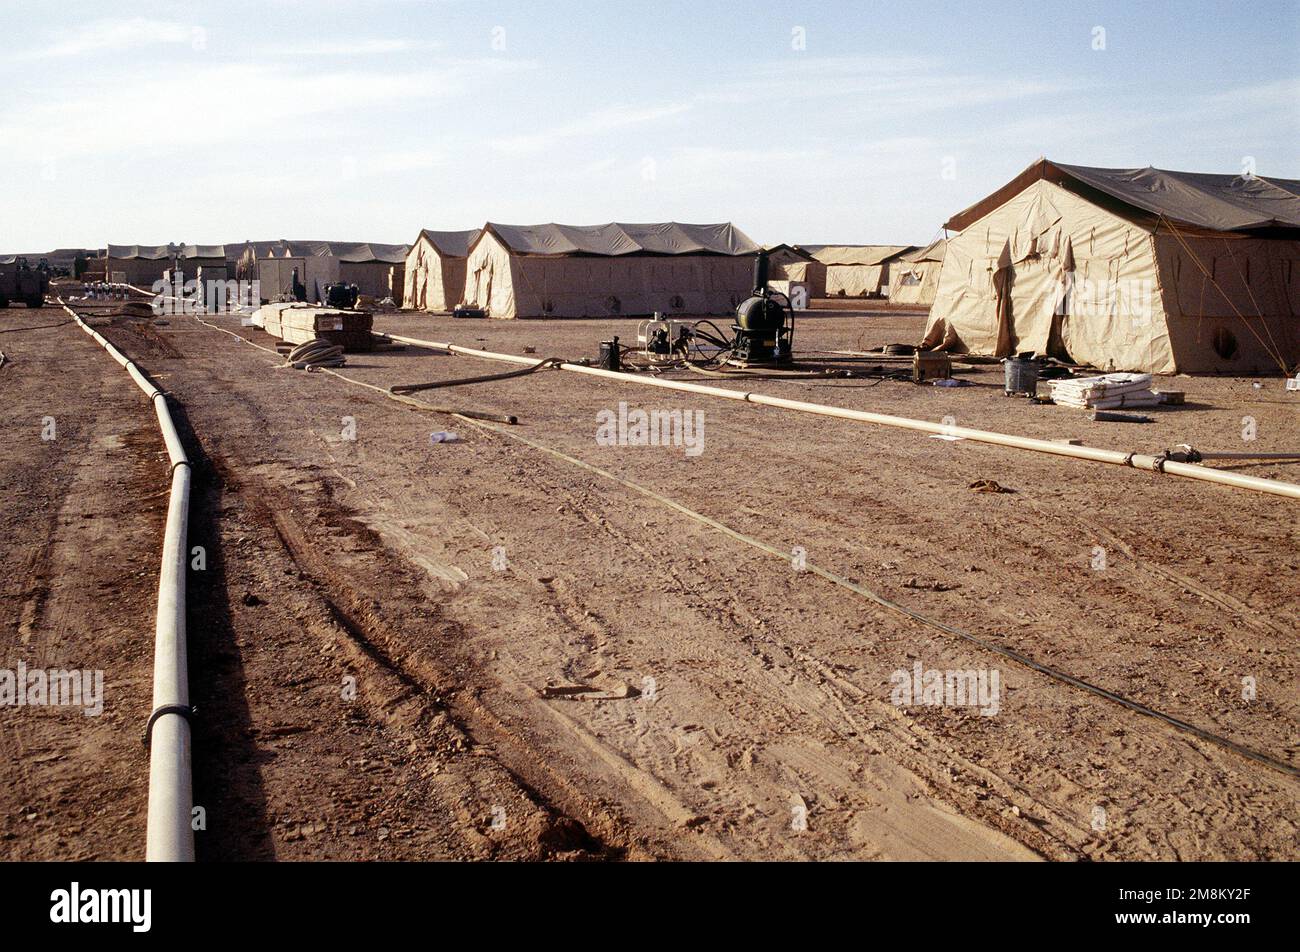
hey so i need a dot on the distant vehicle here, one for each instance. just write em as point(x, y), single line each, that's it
point(20, 282)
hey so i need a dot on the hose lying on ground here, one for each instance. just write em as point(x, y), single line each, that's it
point(984, 643)
point(778, 373)
point(1141, 461)
point(834, 578)
point(486, 378)
point(508, 418)
point(169, 836)
point(316, 353)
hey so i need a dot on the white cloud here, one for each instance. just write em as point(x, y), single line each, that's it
point(117, 35)
point(275, 101)
point(595, 123)
point(352, 47)
point(886, 85)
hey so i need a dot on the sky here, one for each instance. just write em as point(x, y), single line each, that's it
point(805, 122)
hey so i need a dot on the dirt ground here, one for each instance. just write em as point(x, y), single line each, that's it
point(403, 649)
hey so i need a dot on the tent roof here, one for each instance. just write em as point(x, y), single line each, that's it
point(203, 251)
point(59, 257)
point(934, 251)
point(1203, 200)
point(793, 249)
point(159, 252)
point(854, 254)
point(618, 238)
point(452, 244)
point(350, 251)
point(260, 249)
point(145, 252)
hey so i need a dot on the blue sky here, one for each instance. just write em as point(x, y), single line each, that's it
point(148, 122)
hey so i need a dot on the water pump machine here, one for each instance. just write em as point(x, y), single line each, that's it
point(764, 327)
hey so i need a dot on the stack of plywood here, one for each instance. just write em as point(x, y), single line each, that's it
point(1106, 392)
point(298, 323)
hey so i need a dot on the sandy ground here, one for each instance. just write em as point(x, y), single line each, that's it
point(549, 664)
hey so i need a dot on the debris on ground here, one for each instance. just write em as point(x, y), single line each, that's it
point(989, 486)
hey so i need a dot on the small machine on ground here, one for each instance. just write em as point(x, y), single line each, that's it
point(764, 327)
point(664, 341)
point(341, 295)
point(762, 333)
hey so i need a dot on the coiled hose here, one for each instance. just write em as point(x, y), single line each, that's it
point(316, 353)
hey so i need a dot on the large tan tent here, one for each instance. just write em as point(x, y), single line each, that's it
point(140, 265)
point(788, 263)
point(435, 269)
point(608, 270)
point(367, 264)
point(1127, 269)
point(208, 260)
point(318, 263)
point(914, 277)
point(855, 270)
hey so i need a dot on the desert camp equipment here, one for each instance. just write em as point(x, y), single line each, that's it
point(21, 282)
point(341, 295)
point(298, 323)
point(764, 327)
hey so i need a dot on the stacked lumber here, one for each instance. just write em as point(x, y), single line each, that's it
point(1106, 392)
point(299, 323)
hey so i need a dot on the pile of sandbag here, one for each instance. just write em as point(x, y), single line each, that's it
point(1106, 392)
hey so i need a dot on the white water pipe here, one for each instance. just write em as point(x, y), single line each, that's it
point(169, 836)
point(1136, 460)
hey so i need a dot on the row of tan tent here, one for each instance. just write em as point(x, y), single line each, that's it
point(1123, 269)
point(1126, 269)
point(365, 264)
point(856, 270)
point(142, 265)
point(867, 271)
point(553, 270)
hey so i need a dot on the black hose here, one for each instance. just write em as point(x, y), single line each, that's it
point(486, 378)
point(509, 418)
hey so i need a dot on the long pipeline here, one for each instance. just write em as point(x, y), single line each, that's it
point(169, 836)
point(1160, 464)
